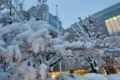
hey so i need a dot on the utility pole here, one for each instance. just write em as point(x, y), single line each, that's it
point(60, 67)
point(57, 21)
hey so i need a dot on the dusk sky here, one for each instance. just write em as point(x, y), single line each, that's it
point(70, 10)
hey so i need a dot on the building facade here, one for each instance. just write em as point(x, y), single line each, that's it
point(107, 19)
point(45, 15)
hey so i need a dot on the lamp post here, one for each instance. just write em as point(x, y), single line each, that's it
point(43, 16)
point(57, 21)
point(60, 67)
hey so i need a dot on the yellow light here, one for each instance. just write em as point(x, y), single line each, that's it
point(106, 21)
point(110, 19)
point(118, 16)
point(54, 74)
point(93, 32)
point(114, 18)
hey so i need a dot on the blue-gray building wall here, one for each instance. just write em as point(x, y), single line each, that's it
point(101, 17)
point(46, 16)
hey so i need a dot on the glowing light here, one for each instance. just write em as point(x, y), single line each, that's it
point(106, 21)
point(118, 16)
point(93, 32)
point(114, 18)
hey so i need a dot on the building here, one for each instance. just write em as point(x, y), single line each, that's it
point(45, 15)
point(107, 19)
point(26, 15)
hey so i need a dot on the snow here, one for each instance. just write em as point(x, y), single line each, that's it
point(38, 45)
point(42, 71)
point(30, 41)
point(59, 50)
point(113, 77)
point(2, 43)
point(94, 76)
point(24, 72)
point(64, 76)
point(13, 51)
point(5, 76)
point(2, 50)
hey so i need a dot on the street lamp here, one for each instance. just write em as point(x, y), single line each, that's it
point(43, 16)
point(57, 20)
point(60, 67)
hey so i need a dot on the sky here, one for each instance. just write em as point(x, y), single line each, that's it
point(70, 10)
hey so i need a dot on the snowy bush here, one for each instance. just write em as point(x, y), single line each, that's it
point(113, 77)
point(94, 76)
point(5, 76)
point(69, 77)
point(28, 51)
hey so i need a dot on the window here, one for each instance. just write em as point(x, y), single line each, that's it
point(117, 12)
point(111, 14)
point(113, 24)
point(80, 72)
point(56, 73)
point(106, 16)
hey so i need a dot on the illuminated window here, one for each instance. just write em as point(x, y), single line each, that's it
point(93, 32)
point(54, 74)
point(80, 72)
point(113, 24)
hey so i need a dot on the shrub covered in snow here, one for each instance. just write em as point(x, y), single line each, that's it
point(27, 50)
point(113, 77)
point(94, 76)
point(73, 76)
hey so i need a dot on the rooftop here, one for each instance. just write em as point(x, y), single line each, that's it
point(107, 10)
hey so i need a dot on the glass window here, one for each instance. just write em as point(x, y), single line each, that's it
point(105, 16)
point(116, 23)
point(54, 74)
point(109, 28)
point(113, 24)
point(111, 14)
point(117, 12)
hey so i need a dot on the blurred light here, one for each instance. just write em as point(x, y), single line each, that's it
point(93, 32)
point(114, 18)
point(106, 21)
point(118, 16)
point(111, 19)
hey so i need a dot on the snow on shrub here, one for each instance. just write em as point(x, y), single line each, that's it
point(113, 77)
point(64, 76)
point(94, 76)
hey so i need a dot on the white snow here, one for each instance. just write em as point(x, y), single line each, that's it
point(94, 76)
point(64, 76)
point(113, 77)
point(42, 71)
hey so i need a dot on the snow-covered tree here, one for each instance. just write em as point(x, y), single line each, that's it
point(11, 11)
point(93, 49)
point(40, 5)
point(28, 51)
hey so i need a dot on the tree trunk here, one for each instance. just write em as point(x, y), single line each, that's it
point(110, 70)
point(10, 8)
point(93, 64)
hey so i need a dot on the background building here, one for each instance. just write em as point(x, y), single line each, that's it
point(107, 19)
point(45, 15)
